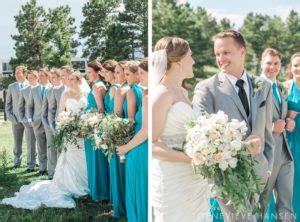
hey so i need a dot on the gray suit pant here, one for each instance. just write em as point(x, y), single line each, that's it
point(41, 142)
point(18, 132)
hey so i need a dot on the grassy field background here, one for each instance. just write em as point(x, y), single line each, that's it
point(12, 179)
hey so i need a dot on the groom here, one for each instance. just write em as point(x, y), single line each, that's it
point(233, 91)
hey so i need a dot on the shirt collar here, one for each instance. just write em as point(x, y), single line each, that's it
point(233, 79)
point(267, 79)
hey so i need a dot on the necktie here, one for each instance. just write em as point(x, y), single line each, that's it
point(43, 91)
point(275, 93)
point(21, 86)
point(243, 96)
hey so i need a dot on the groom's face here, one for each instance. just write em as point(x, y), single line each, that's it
point(230, 55)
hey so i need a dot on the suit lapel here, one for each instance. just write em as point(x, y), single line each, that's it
point(39, 93)
point(227, 88)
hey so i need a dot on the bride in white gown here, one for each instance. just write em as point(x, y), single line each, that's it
point(70, 178)
point(177, 193)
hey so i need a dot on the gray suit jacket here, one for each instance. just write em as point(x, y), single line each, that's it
point(34, 108)
point(23, 102)
point(280, 112)
point(12, 100)
point(54, 105)
point(217, 93)
point(45, 108)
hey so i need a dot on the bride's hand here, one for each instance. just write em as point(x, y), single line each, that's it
point(122, 150)
point(254, 144)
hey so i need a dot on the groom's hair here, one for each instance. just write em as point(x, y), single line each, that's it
point(230, 33)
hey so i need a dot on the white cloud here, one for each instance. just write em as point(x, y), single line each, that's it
point(219, 14)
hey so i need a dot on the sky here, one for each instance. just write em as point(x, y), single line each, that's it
point(10, 8)
point(236, 10)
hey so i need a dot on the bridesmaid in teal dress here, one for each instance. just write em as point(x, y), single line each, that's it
point(293, 138)
point(137, 154)
point(116, 168)
point(97, 164)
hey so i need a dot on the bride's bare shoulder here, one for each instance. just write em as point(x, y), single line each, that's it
point(162, 95)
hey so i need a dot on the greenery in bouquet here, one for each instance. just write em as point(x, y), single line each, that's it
point(68, 130)
point(113, 131)
point(218, 153)
point(88, 122)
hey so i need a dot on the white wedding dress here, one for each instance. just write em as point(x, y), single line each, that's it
point(178, 195)
point(70, 178)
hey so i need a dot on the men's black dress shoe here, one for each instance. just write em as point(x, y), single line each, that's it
point(29, 170)
point(41, 173)
point(15, 167)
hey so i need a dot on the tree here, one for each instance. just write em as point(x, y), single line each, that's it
point(59, 35)
point(113, 34)
point(194, 25)
point(30, 43)
point(44, 39)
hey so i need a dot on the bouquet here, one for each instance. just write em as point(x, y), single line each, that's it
point(218, 152)
point(88, 121)
point(113, 131)
point(67, 130)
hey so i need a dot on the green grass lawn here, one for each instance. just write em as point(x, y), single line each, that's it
point(11, 180)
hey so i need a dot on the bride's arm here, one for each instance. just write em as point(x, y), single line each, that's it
point(62, 103)
point(160, 108)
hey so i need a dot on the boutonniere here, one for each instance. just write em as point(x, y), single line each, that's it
point(257, 85)
point(282, 88)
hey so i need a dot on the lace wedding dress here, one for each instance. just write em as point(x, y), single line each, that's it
point(177, 193)
point(70, 178)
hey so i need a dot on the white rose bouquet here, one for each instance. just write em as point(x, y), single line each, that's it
point(67, 130)
point(218, 152)
point(112, 132)
point(88, 121)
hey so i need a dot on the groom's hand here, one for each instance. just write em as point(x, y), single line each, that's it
point(254, 144)
point(279, 126)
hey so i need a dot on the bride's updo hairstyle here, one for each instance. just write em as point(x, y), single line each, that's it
point(176, 48)
point(78, 76)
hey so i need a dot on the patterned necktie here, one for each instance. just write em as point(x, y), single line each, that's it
point(243, 96)
point(275, 93)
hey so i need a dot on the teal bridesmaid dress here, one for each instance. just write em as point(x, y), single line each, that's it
point(215, 211)
point(137, 171)
point(97, 164)
point(293, 139)
point(116, 170)
point(271, 213)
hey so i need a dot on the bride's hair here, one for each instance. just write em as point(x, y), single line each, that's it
point(78, 76)
point(176, 48)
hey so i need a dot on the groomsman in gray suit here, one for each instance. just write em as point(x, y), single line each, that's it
point(65, 72)
point(34, 111)
point(32, 78)
point(47, 119)
point(240, 97)
point(281, 180)
point(11, 109)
